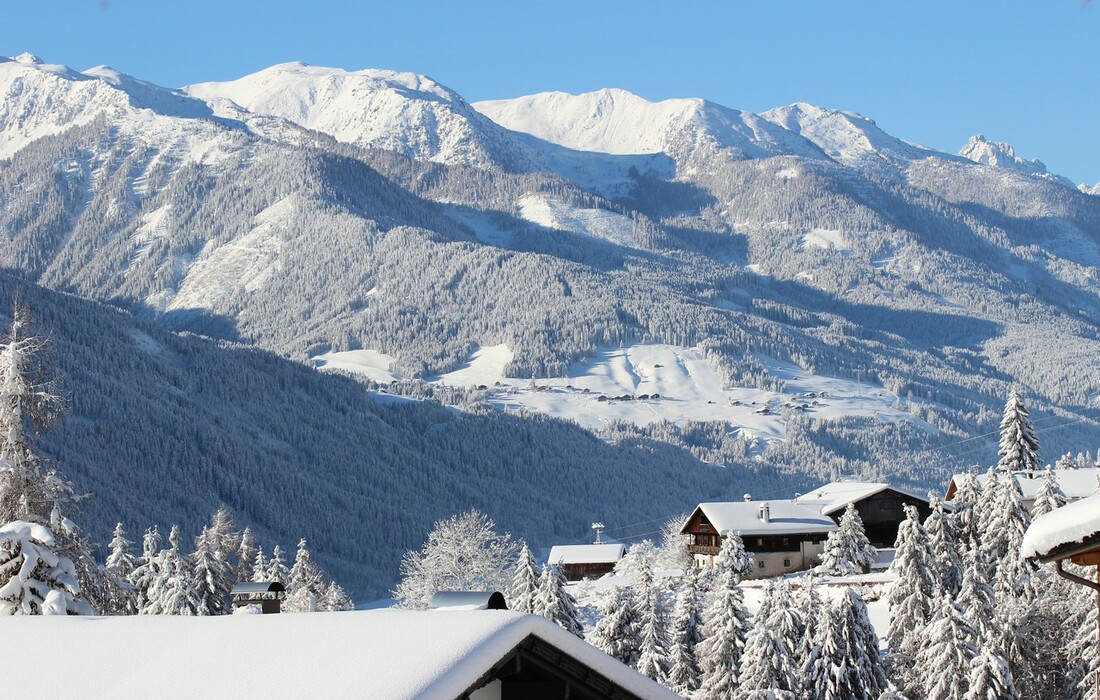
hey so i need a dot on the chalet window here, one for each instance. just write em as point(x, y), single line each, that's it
point(786, 540)
point(787, 563)
point(760, 564)
point(760, 543)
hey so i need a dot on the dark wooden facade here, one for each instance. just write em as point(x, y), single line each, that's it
point(577, 572)
point(706, 540)
point(883, 512)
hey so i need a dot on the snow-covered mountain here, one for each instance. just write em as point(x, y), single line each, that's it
point(598, 245)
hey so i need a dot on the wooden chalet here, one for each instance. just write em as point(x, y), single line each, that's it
point(881, 506)
point(1075, 483)
point(580, 561)
point(783, 536)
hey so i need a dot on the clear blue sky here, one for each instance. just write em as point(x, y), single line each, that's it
point(1022, 71)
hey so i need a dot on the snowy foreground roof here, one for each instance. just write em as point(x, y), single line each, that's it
point(586, 553)
point(836, 496)
point(376, 654)
point(1063, 530)
point(785, 517)
point(1075, 483)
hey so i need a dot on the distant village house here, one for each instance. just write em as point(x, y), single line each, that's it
point(580, 561)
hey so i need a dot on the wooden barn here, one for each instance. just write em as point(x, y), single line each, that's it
point(881, 506)
point(580, 561)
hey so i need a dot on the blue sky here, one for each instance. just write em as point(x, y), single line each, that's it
point(1026, 72)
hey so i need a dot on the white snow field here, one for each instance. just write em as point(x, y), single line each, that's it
point(678, 384)
point(373, 655)
point(596, 223)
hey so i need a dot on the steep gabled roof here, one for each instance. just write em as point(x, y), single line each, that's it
point(1064, 531)
point(1075, 483)
point(785, 517)
point(836, 496)
point(586, 553)
point(392, 654)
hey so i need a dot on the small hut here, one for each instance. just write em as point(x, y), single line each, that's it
point(268, 595)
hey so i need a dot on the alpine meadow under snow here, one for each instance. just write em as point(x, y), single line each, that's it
point(555, 309)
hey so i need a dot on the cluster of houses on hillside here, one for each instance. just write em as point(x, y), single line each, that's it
point(788, 535)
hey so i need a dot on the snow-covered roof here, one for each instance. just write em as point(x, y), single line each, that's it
point(391, 654)
point(837, 495)
point(1076, 523)
point(1075, 483)
point(586, 553)
point(784, 517)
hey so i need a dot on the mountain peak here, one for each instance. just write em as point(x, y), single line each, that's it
point(27, 58)
point(999, 155)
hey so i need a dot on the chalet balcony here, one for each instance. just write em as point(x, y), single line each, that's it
point(703, 549)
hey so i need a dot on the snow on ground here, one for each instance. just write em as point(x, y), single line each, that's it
point(596, 223)
point(647, 383)
point(829, 239)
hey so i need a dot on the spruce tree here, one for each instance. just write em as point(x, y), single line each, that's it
point(941, 536)
point(912, 595)
point(616, 632)
point(175, 590)
point(733, 556)
point(1003, 539)
point(976, 600)
point(525, 582)
point(34, 579)
point(652, 645)
point(555, 603)
point(768, 668)
point(1019, 446)
point(687, 633)
point(867, 678)
point(990, 678)
point(147, 569)
point(259, 567)
point(847, 549)
point(246, 556)
point(213, 575)
point(276, 567)
point(948, 647)
point(121, 560)
point(1050, 495)
point(967, 494)
point(306, 585)
point(336, 599)
point(727, 626)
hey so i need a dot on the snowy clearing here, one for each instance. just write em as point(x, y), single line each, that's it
point(596, 223)
point(642, 384)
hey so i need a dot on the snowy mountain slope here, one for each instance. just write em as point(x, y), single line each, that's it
point(935, 279)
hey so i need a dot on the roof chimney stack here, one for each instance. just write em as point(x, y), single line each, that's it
point(747, 497)
point(765, 513)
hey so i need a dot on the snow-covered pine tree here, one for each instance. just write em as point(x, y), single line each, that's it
point(213, 575)
point(652, 645)
point(462, 553)
point(147, 569)
point(768, 667)
point(912, 595)
point(1068, 461)
point(867, 678)
point(809, 606)
point(336, 599)
point(727, 625)
point(225, 538)
point(1050, 495)
point(276, 567)
point(824, 674)
point(1019, 446)
point(1002, 540)
point(1083, 650)
point(555, 603)
point(847, 549)
point(34, 578)
point(616, 632)
point(733, 557)
point(120, 564)
point(948, 647)
point(175, 590)
point(673, 552)
point(259, 566)
point(941, 535)
point(976, 600)
point(687, 633)
point(525, 582)
point(637, 557)
point(306, 586)
point(967, 493)
point(246, 556)
point(990, 678)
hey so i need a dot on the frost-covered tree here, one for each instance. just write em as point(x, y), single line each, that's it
point(462, 553)
point(276, 567)
point(912, 595)
point(844, 663)
point(769, 667)
point(638, 556)
point(941, 536)
point(147, 569)
point(948, 647)
point(687, 633)
point(673, 552)
point(525, 582)
point(809, 606)
point(652, 645)
point(1003, 538)
point(847, 549)
point(727, 625)
point(246, 556)
point(1068, 461)
point(34, 578)
point(213, 574)
point(259, 566)
point(306, 585)
point(1019, 446)
point(1050, 495)
point(734, 558)
point(336, 599)
point(557, 604)
point(616, 632)
point(120, 560)
point(174, 591)
point(976, 600)
point(965, 515)
point(990, 678)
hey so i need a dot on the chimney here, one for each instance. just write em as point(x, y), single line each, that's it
point(765, 512)
point(747, 497)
